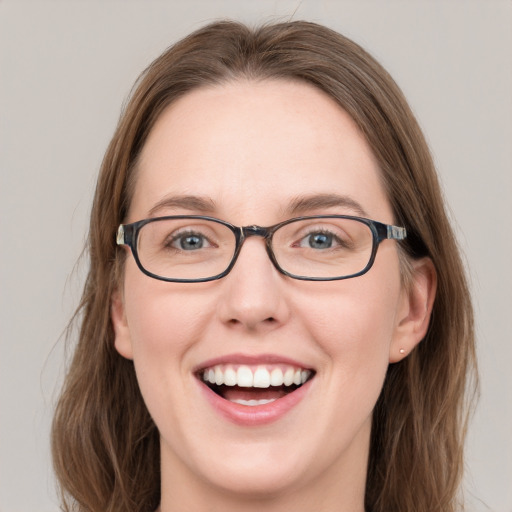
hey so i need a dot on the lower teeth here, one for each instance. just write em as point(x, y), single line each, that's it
point(252, 403)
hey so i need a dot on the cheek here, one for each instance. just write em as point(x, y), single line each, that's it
point(162, 318)
point(164, 322)
point(354, 324)
point(357, 315)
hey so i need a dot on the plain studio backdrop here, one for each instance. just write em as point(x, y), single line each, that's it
point(65, 69)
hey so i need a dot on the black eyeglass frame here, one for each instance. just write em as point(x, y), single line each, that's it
point(127, 234)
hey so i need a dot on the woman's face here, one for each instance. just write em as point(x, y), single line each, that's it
point(260, 153)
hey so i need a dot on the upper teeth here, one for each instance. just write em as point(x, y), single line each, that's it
point(257, 377)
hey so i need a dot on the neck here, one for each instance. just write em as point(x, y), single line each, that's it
point(333, 499)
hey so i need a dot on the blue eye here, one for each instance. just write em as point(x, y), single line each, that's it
point(319, 240)
point(189, 242)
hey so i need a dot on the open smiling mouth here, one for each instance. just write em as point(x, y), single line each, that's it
point(254, 385)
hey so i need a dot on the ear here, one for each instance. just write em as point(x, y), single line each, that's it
point(415, 309)
point(122, 339)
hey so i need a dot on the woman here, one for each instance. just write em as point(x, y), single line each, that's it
point(308, 359)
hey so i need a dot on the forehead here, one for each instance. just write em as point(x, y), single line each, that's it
point(252, 147)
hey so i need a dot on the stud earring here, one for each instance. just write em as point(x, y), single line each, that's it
point(402, 351)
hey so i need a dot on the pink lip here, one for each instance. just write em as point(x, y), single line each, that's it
point(251, 360)
point(250, 416)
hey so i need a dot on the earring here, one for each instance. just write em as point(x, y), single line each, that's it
point(402, 351)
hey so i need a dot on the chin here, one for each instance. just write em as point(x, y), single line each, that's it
point(256, 481)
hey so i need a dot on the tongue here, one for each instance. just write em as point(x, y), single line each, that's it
point(233, 393)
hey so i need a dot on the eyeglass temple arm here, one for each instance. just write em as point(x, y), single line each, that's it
point(396, 233)
point(124, 234)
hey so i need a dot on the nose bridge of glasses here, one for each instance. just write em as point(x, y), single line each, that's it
point(255, 231)
point(265, 233)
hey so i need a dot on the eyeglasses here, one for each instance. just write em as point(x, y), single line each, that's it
point(194, 248)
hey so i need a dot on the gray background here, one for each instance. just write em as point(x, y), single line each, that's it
point(65, 69)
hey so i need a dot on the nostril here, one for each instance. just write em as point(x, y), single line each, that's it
point(267, 321)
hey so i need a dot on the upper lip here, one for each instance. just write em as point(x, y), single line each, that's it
point(245, 359)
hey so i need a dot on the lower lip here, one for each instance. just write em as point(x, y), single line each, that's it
point(250, 416)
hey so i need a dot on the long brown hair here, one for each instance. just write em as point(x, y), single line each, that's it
point(106, 446)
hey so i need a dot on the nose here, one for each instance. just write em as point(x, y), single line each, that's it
point(253, 295)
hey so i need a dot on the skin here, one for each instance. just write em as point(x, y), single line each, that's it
point(251, 148)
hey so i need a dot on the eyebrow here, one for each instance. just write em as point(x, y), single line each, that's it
point(297, 206)
point(188, 202)
point(304, 204)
